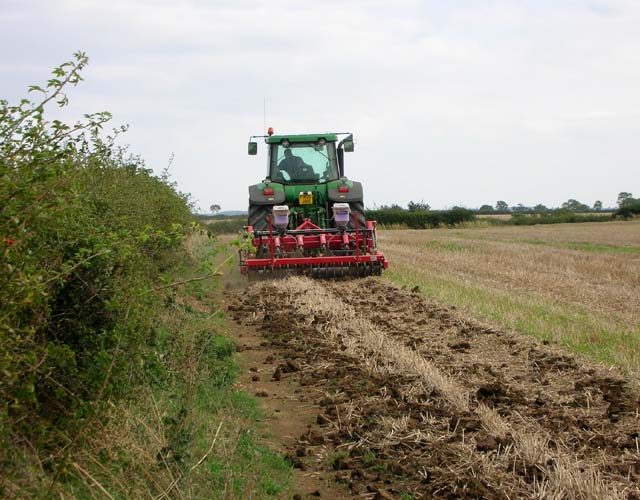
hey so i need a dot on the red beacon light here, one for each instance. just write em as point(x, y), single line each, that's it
point(270, 131)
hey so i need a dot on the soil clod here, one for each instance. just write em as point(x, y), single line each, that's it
point(408, 396)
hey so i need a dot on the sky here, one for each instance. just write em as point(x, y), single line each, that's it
point(464, 102)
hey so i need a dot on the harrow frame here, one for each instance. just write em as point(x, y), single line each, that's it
point(315, 251)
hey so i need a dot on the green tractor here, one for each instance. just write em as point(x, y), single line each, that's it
point(306, 173)
point(306, 217)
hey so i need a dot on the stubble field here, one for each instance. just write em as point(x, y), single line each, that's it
point(575, 284)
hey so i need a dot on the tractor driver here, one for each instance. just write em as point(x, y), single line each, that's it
point(295, 166)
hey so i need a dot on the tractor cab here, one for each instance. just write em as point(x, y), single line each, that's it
point(302, 162)
point(304, 158)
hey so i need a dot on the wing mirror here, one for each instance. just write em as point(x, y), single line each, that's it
point(253, 148)
point(348, 144)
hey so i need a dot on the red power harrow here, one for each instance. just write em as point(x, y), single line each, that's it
point(311, 250)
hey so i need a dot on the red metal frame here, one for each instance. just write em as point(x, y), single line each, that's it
point(308, 236)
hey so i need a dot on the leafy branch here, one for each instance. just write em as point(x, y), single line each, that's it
point(65, 74)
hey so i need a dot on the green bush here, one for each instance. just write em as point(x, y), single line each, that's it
point(86, 231)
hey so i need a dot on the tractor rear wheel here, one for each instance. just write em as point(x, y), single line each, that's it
point(259, 217)
point(357, 209)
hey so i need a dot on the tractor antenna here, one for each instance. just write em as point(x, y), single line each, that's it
point(264, 113)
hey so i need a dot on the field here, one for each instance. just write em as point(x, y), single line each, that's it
point(576, 284)
point(458, 380)
point(494, 216)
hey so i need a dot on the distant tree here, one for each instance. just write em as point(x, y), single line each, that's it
point(502, 206)
point(215, 208)
point(624, 198)
point(597, 206)
point(628, 205)
point(575, 206)
point(415, 206)
point(486, 209)
point(540, 208)
point(393, 206)
point(520, 208)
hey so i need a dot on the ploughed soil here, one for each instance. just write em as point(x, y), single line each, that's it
point(353, 426)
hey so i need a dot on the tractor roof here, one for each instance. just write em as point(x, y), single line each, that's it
point(327, 136)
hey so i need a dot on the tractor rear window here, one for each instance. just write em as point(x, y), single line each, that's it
point(303, 162)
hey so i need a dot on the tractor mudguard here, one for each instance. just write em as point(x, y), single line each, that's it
point(257, 197)
point(354, 193)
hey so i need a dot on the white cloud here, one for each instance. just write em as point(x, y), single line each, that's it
point(453, 103)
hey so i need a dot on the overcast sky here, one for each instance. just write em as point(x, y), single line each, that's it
point(453, 103)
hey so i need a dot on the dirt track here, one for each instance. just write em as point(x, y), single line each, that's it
point(412, 398)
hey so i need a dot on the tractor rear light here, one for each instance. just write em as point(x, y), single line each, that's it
point(343, 189)
point(267, 191)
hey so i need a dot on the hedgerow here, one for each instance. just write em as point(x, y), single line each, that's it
point(554, 217)
point(86, 234)
point(420, 219)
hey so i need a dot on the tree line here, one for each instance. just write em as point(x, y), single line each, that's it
point(418, 215)
point(626, 205)
point(502, 207)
